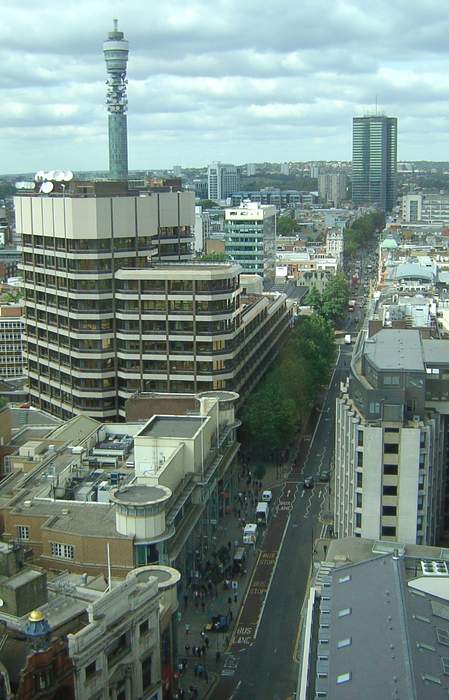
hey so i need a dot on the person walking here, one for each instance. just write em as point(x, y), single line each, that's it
point(187, 628)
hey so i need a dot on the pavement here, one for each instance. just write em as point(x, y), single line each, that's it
point(203, 672)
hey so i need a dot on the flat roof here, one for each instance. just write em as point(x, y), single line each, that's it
point(204, 271)
point(141, 494)
point(395, 349)
point(172, 426)
point(436, 351)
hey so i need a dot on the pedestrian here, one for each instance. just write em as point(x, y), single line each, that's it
point(229, 545)
point(229, 601)
point(206, 676)
point(226, 642)
point(235, 597)
point(206, 641)
point(203, 634)
point(217, 656)
point(203, 606)
point(187, 648)
point(195, 670)
point(231, 616)
point(186, 598)
point(203, 649)
point(187, 628)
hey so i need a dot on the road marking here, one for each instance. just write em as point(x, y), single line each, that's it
point(242, 605)
point(272, 576)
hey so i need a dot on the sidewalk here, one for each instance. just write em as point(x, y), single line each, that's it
point(203, 671)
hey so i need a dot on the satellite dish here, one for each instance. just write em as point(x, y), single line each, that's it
point(40, 175)
point(2, 602)
point(46, 187)
point(50, 175)
point(59, 176)
point(68, 175)
point(19, 185)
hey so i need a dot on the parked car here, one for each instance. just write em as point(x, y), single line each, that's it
point(309, 482)
point(325, 475)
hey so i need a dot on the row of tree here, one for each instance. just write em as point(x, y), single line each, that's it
point(362, 232)
point(275, 411)
point(332, 304)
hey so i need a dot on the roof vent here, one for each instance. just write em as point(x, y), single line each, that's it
point(65, 511)
point(27, 504)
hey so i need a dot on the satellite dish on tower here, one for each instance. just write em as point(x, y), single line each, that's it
point(46, 187)
point(59, 176)
point(39, 177)
point(50, 175)
point(68, 175)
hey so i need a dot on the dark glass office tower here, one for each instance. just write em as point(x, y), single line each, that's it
point(374, 159)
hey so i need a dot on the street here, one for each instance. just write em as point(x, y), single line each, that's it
point(260, 662)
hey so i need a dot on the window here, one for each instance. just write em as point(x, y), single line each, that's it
point(344, 612)
point(391, 469)
point(389, 510)
point(43, 680)
point(359, 479)
point(391, 449)
point(64, 551)
point(23, 532)
point(360, 459)
point(445, 662)
point(358, 520)
point(442, 636)
point(91, 670)
point(374, 408)
point(344, 677)
point(390, 490)
point(358, 501)
point(388, 531)
point(146, 673)
point(344, 643)
point(344, 579)
point(360, 438)
point(144, 628)
point(391, 430)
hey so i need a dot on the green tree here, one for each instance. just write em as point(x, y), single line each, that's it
point(335, 298)
point(285, 226)
point(314, 299)
point(208, 204)
point(214, 257)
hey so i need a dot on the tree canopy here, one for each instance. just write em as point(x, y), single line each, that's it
point(208, 204)
point(276, 409)
point(285, 226)
point(214, 257)
point(332, 304)
point(362, 232)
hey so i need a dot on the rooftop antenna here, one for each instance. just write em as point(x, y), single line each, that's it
point(376, 105)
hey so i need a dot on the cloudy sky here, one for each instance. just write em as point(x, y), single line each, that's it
point(232, 80)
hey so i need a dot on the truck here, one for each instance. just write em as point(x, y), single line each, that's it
point(262, 511)
point(250, 533)
point(348, 339)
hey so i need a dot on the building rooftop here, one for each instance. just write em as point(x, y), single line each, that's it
point(436, 351)
point(395, 349)
point(141, 494)
point(385, 638)
point(172, 426)
point(185, 271)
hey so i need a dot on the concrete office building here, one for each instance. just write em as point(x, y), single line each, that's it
point(222, 180)
point(374, 161)
point(11, 346)
point(250, 237)
point(390, 446)
point(115, 50)
point(429, 208)
point(146, 492)
point(332, 187)
point(73, 243)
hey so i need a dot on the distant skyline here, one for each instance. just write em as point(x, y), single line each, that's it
point(225, 80)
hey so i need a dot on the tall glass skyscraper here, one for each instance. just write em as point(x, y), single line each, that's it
point(115, 50)
point(374, 160)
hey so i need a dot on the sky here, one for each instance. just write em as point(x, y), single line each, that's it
point(231, 80)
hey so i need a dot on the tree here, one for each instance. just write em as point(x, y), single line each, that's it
point(285, 226)
point(335, 298)
point(208, 204)
point(214, 257)
point(314, 299)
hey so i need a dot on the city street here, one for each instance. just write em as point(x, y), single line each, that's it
point(260, 662)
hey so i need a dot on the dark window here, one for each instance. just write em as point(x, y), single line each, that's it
point(390, 490)
point(359, 479)
point(358, 500)
point(391, 469)
point(360, 438)
point(388, 531)
point(146, 673)
point(389, 510)
point(391, 449)
point(360, 459)
point(358, 520)
point(144, 628)
point(91, 670)
point(391, 430)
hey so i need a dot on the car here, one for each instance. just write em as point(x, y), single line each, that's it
point(325, 475)
point(309, 482)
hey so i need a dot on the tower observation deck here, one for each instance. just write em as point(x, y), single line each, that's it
point(115, 50)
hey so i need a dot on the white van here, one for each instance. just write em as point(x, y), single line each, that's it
point(267, 496)
point(262, 511)
point(250, 533)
